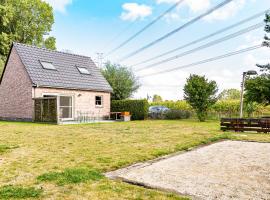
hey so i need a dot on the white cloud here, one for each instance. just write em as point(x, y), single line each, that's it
point(197, 6)
point(194, 5)
point(134, 11)
point(59, 5)
point(226, 12)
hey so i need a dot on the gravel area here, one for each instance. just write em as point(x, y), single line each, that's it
point(224, 170)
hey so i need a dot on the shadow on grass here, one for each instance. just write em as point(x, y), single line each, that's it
point(71, 176)
point(18, 192)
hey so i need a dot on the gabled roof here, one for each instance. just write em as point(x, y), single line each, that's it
point(66, 75)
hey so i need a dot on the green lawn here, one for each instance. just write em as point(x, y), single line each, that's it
point(67, 162)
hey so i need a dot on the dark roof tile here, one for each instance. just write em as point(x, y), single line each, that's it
point(66, 74)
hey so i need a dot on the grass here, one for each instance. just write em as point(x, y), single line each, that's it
point(6, 148)
point(62, 157)
point(69, 176)
point(17, 192)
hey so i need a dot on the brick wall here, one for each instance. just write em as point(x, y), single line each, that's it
point(16, 91)
point(84, 101)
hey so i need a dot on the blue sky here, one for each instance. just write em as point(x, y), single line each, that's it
point(89, 26)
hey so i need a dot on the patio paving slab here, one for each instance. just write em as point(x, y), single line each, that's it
point(224, 170)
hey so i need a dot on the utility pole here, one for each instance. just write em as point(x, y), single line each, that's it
point(242, 94)
point(100, 58)
point(248, 73)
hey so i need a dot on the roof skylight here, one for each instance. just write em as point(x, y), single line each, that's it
point(47, 65)
point(83, 70)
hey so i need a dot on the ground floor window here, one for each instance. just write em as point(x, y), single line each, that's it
point(99, 101)
point(66, 107)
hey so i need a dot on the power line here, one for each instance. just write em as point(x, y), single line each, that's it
point(209, 44)
point(177, 29)
point(118, 35)
point(206, 61)
point(146, 27)
point(204, 38)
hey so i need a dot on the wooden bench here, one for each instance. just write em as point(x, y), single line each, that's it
point(261, 125)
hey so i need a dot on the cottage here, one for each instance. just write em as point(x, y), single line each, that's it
point(73, 81)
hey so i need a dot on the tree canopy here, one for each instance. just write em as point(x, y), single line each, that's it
point(229, 94)
point(258, 88)
point(25, 21)
point(200, 94)
point(122, 80)
point(157, 98)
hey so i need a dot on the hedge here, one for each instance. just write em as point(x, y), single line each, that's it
point(137, 108)
point(228, 108)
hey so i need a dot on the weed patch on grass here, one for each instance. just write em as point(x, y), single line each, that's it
point(18, 192)
point(71, 176)
point(5, 148)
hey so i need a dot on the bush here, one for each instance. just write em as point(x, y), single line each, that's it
point(177, 114)
point(137, 108)
point(174, 105)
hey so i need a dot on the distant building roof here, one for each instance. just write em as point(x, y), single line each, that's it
point(55, 69)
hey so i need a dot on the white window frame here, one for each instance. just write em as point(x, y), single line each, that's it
point(102, 101)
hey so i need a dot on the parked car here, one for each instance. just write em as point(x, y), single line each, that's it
point(157, 111)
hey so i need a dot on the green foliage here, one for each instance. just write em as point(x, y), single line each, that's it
point(258, 89)
point(226, 106)
point(230, 94)
point(24, 21)
point(200, 94)
point(137, 108)
point(50, 43)
point(5, 148)
point(71, 176)
point(17, 192)
point(177, 114)
point(178, 105)
point(122, 80)
point(157, 98)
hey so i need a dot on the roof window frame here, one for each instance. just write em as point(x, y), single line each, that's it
point(42, 61)
point(87, 72)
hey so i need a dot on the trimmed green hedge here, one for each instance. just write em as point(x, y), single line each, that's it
point(137, 108)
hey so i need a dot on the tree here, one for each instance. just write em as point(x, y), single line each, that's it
point(50, 43)
point(200, 94)
point(258, 88)
point(157, 98)
point(122, 80)
point(229, 94)
point(25, 21)
point(266, 42)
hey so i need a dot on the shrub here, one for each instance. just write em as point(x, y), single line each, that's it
point(137, 108)
point(18, 192)
point(69, 176)
point(177, 114)
point(174, 105)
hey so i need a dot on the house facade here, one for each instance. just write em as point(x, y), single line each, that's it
point(74, 80)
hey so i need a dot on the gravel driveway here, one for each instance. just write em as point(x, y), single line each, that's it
point(224, 170)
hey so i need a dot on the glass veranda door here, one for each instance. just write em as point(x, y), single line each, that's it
point(66, 107)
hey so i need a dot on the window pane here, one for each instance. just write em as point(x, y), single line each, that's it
point(47, 65)
point(83, 70)
point(98, 100)
point(65, 101)
point(65, 113)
